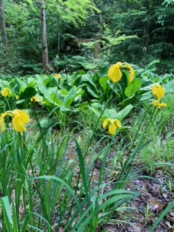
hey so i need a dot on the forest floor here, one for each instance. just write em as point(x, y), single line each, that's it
point(155, 194)
point(145, 209)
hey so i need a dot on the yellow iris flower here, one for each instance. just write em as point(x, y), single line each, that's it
point(115, 74)
point(19, 119)
point(2, 123)
point(131, 72)
point(58, 76)
point(34, 99)
point(113, 125)
point(158, 91)
point(6, 92)
point(159, 105)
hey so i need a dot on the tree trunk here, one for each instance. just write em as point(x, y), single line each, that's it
point(3, 26)
point(44, 37)
point(58, 36)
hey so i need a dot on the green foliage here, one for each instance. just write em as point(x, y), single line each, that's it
point(72, 11)
point(103, 113)
point(45, 163)
point(74, 63)
point(23, 31)
point(159, 153)
point(168, 2)
point(133, 88)
point(72, 90)
point(84, 35)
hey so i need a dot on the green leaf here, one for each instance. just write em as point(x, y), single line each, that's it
point(133, 88)
point(64, 91)
point(6, 209)
point(129, 100)
point(30, 3)
point(146, 96)
point(28, 93)
point(88, 77)
point(162, 215)
point(55, 100)
point(4, 83)
point(110, 113)
point(71, 96)
point(96, 112)
point(44, 122)
point(124, 112)
point(83, 171)
point(20, 101)
point(92, 92)
point(103, 82)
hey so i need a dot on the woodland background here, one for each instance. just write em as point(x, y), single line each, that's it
point(85, 34)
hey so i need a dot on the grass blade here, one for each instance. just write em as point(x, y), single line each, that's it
point(6, 209)
point(162, 215)
point(82, 171)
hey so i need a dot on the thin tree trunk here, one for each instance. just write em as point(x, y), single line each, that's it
point(44, 37)
point(3, 26)
point(58, 36)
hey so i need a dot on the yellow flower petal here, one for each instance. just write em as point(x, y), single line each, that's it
point(18, 124)
point(34, 99)
point(105, 122)
point(58, 76)
point(119, 64)
point(23, 115)
point(163, 105)
point(2, 123)
point(159, 105)
point(131, 72)
point(155, 103)
point(112, 129)
point(6, 92)
point(118, 123)
point(154, 90)
point(158, 91)
point(20, 118)
point(114, 73)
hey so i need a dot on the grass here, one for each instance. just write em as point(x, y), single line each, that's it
point(159, 153)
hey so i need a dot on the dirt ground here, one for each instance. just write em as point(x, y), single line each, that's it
point(153, 199)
